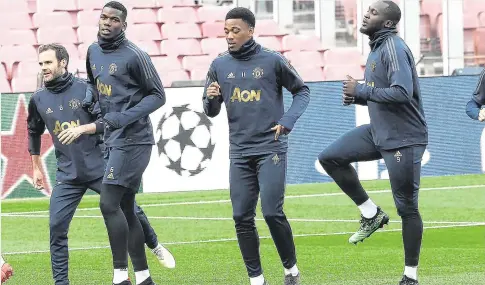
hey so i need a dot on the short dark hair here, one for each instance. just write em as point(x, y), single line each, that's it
point(393, 12)
point(60, 50)
point(118, 6)
point(242, 13)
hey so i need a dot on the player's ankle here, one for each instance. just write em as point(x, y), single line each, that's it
point(141, 276)
point(293, 271)
point(368, 209)
point(120, 275)
point(258, 280)
point(411, 272)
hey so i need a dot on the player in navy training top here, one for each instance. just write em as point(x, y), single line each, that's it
point(397, 133)
point(128, 90)
point(249, 79)
point(474, 106)
point(58, 105)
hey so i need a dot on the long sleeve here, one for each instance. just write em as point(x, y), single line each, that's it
point(143, 70)
point(399, 69)
point(35, 128)
point(473, 109)
point(95, 112)
point(479, 93)
point(212, 106)
point(289, 78)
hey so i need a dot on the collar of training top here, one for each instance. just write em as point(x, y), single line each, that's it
point(247, 50)
point(61, 83)
point(111, 44)
point(380, 36)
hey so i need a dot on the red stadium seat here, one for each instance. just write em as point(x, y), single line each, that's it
point(181, 31)
point(17, 37)
point(177, 15)
point(213, 30)
point(87, 35)
point(310, 74)
point(339, 56)
point(166, 63)
point(87, 5)
point(17, 53)
point(198, 74)
point(268, 28)
point(143, 32)
point(14, 6)
point(15, 20)
point(142, 16)
point(270, 42)
point(25, 69)
point(304, 58)
point(140, 3)
point(213, 46)
point(301, 42)
point(340, 72)
point(176, 3)
point(150, 47)
point(88, 18)
point(197, 62)
point(53, 19)
point(61, 35)
point(479, 46)
point(46, 6)
point(168, 77)
point(432, 8)
point(4, 85)
point(82, 50)
point(180, 47)
point(24, 84)
point(212, 13)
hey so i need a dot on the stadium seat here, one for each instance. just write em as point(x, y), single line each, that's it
point(304, 58)
point(481, 19)
point(142, 16)
point(169, 76)
point(139, 3)
point(197, 62)
point(61, 35)
point(77, 65)
point(82, 50)
point(268, 28)
point(310, 74)
point(177, 15)
point(340, 72)
point(176, 47)
point(14, 6)
point(212, 13)
point(213, 29)
point(143, 32)
point(3, 72)
point(88, 18)
point(198, 74)
point(270, 42)
point(87, 35)
point(17, 53)
point(432, 8)
point(17, 37)
point(4, 85)
point(150, 47)
point(181, 31)
point(166, 63)
point(479, 46)
point(87, 5)
point(25, 69)
point(15, 20)
point(339, 56)
point(425, 33)
point(46, 6)
point(53, 19)
point(302, 43)
point(24, 84)
point(213, 45)
point(175, 3)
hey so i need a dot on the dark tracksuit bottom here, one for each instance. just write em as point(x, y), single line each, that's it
point(266, 175)
point(404, 167)
point(63, 203)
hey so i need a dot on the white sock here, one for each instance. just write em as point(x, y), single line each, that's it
point(368, 209)
point(411, 272)
point(293, 271)
point(141, 276)
point(259, 280)
point(120, 275)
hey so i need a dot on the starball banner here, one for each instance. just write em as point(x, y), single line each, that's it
point(191, 150)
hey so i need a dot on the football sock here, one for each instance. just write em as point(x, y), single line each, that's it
point(141, 276)
point(368, 209)
point(411, 272)
point(120, 275)
point(259, 280)
point(293, 271)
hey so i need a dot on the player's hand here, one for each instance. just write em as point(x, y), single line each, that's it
point(347, 100)
point(213, 90)
point(69, 135)
point(481, 115)
point(38, 179)
point(350, 85)
point(279, 130)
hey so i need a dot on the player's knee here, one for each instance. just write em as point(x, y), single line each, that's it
point(107, 208)
point(327, 159)
point(243, 220)
point(58, 227)
point(407, 209)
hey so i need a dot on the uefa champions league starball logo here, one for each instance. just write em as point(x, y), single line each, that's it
point(184, 140)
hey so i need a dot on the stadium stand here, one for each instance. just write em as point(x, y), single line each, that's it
point(182, 37)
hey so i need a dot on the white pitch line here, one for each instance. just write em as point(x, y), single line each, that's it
point(230, 219)
point(234, 239)
point(286, 197)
